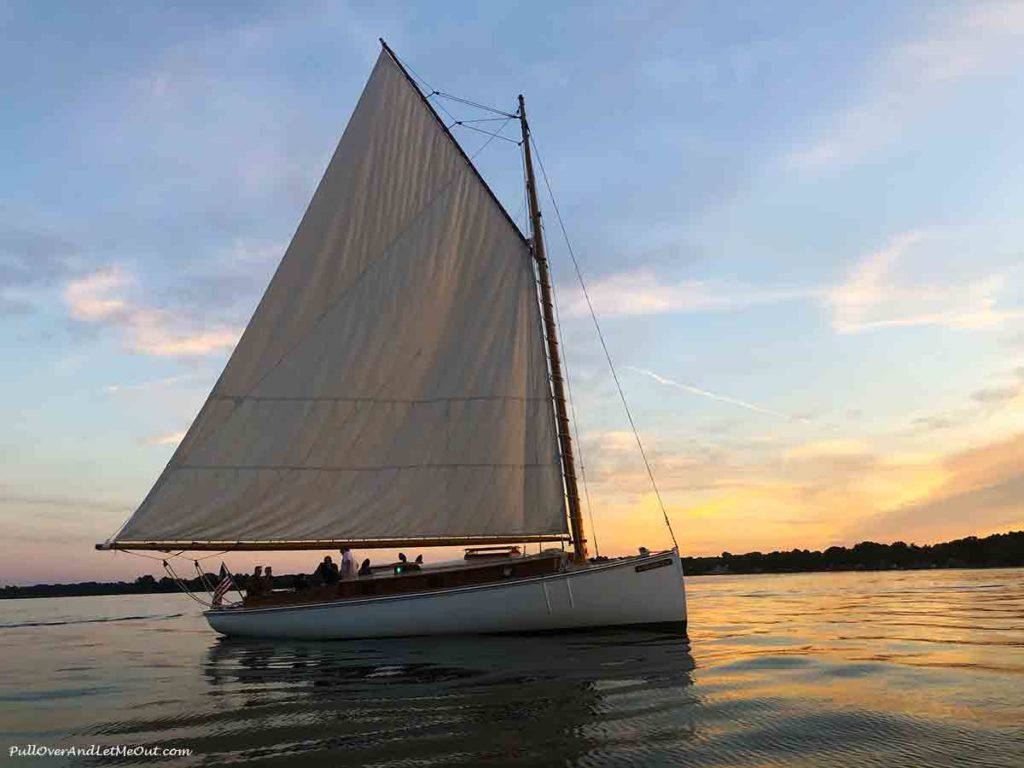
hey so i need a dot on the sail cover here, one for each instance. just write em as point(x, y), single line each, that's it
point(392, 383)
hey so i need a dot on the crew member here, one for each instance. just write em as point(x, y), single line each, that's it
point(348, 564)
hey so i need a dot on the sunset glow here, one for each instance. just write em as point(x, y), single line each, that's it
point(802, 238)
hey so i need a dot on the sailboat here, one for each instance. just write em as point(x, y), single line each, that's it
point(400, 385)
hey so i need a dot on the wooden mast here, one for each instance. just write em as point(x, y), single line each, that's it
point(579, 543)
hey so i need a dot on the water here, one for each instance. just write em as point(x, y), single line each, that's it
point(866, 669)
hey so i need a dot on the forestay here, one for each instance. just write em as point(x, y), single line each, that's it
point(392, 383)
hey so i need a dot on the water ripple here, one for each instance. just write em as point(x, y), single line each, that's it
point(815, 670)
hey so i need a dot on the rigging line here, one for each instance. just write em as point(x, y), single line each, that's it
point(486, 143)
point(462, 124)
point(428, 91)
point(484, 120)
point(412, 71)
point(526, 195)
point(567, 377)
point(183, 585)
point(139, 554)
point(575, 420)
point(604, 345)
point(461, 100)
point(160, 558)
point(444, 109)
point(121, 527)
point(522, 207)
point(215, 554)
point(528, 227)
point(202, 578)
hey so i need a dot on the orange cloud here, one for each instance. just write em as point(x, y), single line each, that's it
point(983, 492)
point(811, 495)
point(99, 298)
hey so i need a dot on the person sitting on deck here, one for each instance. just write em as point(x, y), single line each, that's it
point(348, 564)
point(255, 585)
point(268, 580)
point(327, 572)
point(364, 569)
point(404, 566)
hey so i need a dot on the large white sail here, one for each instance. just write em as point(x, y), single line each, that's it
point(393, 382)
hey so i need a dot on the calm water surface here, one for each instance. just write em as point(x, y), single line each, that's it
point(886, 669)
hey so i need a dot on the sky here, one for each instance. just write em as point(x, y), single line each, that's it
point(799, 225)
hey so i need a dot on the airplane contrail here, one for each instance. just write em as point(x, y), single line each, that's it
point(704, 393)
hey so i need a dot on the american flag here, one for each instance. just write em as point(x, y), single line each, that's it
point(223, 586)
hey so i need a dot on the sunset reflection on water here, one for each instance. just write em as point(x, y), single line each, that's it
point(907, 668)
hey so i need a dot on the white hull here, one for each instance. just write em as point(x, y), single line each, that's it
point(643, 590)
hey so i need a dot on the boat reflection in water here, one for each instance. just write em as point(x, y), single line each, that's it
point(524, 699)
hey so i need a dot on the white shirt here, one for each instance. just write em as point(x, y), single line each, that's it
point(348, 565)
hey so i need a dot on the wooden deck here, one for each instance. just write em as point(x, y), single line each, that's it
point(425, 580)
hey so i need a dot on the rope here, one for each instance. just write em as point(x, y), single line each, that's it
point(430, 92)
point(179, 582)
point(486, 143)
point(428, 89)
point(139, 554)
point(575, 421)
point(604, 344)
point(462, 124)
point(182, 585)
point(469, 103)
point(485, 120)
point(215, 554)
point(202, 578)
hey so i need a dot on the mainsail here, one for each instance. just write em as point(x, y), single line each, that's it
point(392, 384)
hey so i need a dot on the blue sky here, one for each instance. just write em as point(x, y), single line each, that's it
point(799, 224)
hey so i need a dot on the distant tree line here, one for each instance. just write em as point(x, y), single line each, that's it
point(1001, 550)
point(144, 585)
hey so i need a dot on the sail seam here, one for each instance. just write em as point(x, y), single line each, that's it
point(380, 258)
point(372, 264)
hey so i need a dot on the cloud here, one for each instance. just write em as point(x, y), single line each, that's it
point(983, 492)
point(916, 77)
point(870, 297)
point(997, 394)
point(172, 438)
point(711, 395)
point(30, 260)
point(99, 298)
point(934, 423)
point(809, 494)
point(165, 334)
point(643, 292)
